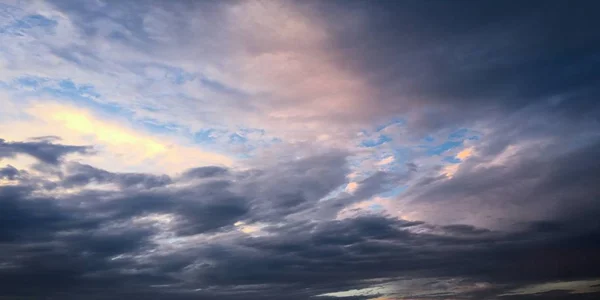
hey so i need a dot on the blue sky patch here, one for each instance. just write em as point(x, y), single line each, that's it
point(28, 22)
point(458, 134)
point(206, 135)
point(220, 88)
point(374, 143)
point(439, 149)
point(428, 139)
point(235, 138)
point(393, 192)
point(451, 159)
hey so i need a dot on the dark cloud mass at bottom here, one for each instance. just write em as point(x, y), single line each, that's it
point(110, 244)
point(518, 219)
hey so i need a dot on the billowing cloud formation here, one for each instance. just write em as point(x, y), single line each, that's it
point(80, 229)
point(299, 150)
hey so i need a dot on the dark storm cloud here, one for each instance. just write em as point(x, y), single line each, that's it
point(87, 242)
point(49, 246)
point(539, 180)
point(465, 229)
point(294, 186)
point(337, 254)
point(204, 172)
point(44, 151)
point(9, 172)
point(200, 208)
point(369, 187)
point(69, 244)
point(84, 174)
point(446, 62)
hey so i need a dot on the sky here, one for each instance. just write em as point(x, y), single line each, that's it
point(323, 150)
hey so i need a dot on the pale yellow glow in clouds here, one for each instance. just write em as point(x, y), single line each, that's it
point(119, 146)
point(250, 229)
point(465, 153)
point(386, 161)
point(450, 170)
point(351, 187)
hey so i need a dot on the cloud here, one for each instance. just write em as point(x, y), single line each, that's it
point(456, 68)
point(575, 287)
point(9, 172)
point(84, 174)
point(283, 72)
point(464, 154)
point(386, 161)
point(523, 186)
point(226, 234)
point(276, 57)
point(351, 187)
point(43, 151)
point(133, 149)
point(269, 150)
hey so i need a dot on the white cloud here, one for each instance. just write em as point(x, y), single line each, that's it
point(119, 146)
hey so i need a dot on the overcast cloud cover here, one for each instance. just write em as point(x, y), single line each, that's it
point(345, 150)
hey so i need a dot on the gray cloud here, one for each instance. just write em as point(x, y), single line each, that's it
point(449, 63)
point(539, 179)
point(9, 172)
point(80, 244)
point(203, 172)
point(80, 174)
point(44, 151)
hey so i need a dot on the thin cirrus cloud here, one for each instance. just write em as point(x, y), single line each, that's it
point(306, 150)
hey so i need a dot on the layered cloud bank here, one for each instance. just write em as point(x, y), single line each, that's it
point(306, 150)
